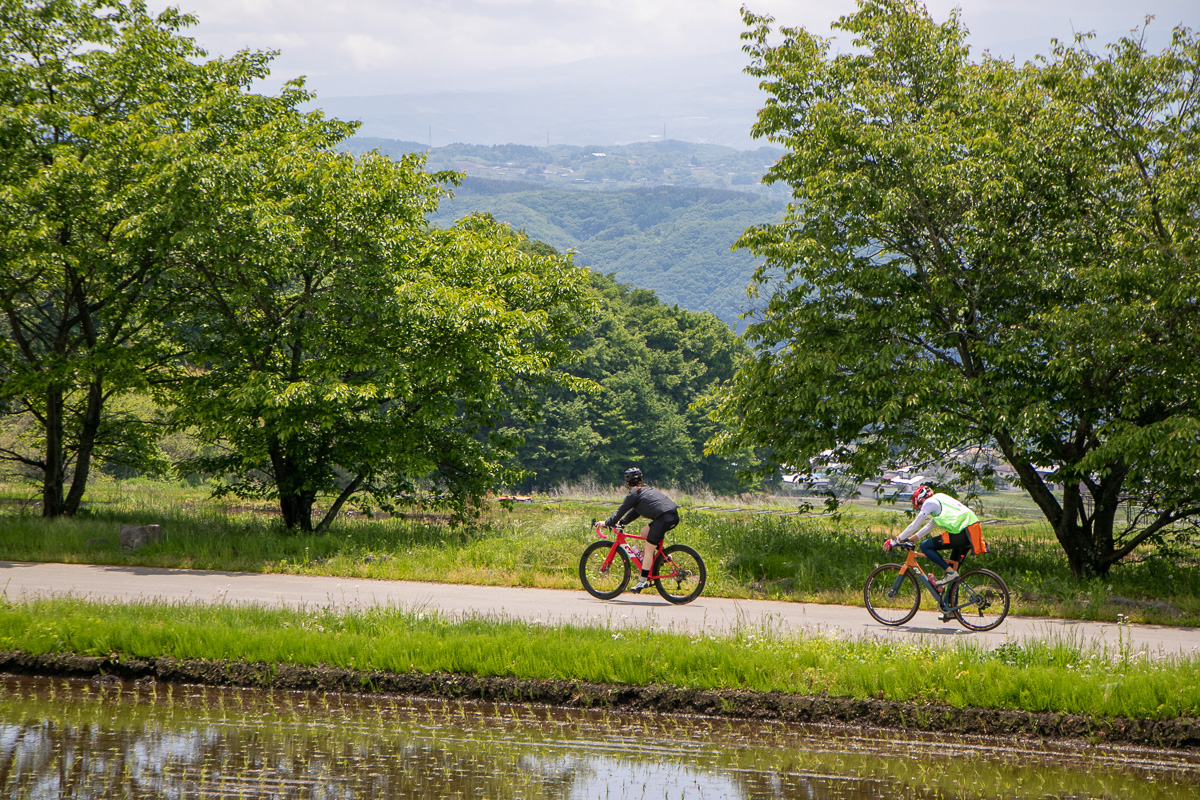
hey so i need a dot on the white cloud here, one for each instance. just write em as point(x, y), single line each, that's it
point(413, 44)
point(367, 53)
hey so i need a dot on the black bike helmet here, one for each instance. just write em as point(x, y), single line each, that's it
point(633, 476)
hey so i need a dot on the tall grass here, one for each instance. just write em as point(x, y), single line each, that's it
point(763, 551)
point(1055, 677)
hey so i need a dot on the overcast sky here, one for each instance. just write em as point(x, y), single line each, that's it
point(368, 47)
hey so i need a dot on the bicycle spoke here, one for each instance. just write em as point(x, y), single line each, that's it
point(600, 582)
point(891, 597)
point(683, 574)
point(980, 600)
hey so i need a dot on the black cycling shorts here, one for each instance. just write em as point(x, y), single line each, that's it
point(660, 526)
point(959, 544)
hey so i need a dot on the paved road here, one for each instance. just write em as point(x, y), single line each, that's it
point(19, 580)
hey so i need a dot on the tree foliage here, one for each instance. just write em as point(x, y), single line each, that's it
point(650, 362)
point(347, 346)
point(166, 229)
point(105, 114)
point(981, 253)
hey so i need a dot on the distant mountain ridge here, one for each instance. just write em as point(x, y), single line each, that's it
point(637, 165)
point(658, 215)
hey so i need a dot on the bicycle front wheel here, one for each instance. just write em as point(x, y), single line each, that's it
point(892, 597)
point(683, 574)
point(601, 583)
point(979, 599)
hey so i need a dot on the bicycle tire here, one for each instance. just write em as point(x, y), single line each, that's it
point(688, 580)
point(891, 598)
point(599, 583)
point(988, 599)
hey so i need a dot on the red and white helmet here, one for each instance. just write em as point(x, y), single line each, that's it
point(920, 495)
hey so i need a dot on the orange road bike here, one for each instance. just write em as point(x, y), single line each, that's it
point(978, 598)
point(604, 568)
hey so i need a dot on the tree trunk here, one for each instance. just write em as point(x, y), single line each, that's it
point(87, 445)
point(345, 495)
point(1076, 532)
point(1072, 527)
point(53, 476)
point(1078, 546)
point(297, 510)
point(295, 504)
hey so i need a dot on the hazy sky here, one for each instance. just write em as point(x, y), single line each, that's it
point(366, 47)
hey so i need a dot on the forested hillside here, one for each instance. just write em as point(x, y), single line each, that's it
point(658, 215)
point(676, 242)
point(651, 363)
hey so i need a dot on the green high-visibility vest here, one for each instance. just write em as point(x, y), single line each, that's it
point(954, 517)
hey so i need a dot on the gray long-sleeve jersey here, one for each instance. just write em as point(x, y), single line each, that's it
point(642, 501)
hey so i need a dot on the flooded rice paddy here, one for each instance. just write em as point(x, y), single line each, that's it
point(95, 739)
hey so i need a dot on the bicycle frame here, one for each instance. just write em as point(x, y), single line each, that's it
point(623, 541)
point(977, 598)
point(910, 563)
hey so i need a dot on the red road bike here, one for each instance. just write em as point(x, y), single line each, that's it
point(604, 567)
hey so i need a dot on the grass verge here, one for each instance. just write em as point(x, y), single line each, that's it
point(1049, 677)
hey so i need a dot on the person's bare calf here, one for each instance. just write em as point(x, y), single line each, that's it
point(648, 555)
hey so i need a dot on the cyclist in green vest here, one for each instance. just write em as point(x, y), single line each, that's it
point(958, 522)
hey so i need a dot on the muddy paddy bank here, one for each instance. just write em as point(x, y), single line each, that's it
point(1176, 734)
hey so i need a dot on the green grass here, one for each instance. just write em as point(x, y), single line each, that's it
point(761, 551)
point(1037, 677)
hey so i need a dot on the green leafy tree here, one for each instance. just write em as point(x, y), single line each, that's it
point(346, 349)
point(651, 363)
point(106, 115)
point(980, 253)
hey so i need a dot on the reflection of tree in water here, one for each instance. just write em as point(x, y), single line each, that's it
point(47, 759)
point(80, 739)
point(785, 786)
point(556, 781)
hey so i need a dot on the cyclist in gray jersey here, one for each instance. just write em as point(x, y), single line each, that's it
point(644, 501)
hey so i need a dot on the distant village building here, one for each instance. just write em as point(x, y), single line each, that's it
point(892, 482)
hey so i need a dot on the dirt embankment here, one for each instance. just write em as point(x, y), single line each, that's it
point(1182, 733)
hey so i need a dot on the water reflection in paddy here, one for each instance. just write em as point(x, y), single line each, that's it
point(99, 740)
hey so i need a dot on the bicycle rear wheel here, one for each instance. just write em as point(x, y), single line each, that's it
point(603, 584)
point(892, 598)
point(687, 574)
point(983, 597)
